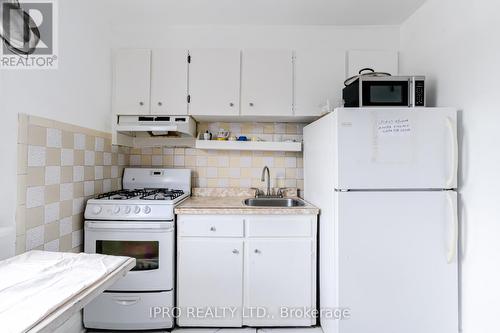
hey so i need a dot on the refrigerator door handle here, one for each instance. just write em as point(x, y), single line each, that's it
point(452, 251)
point(454, 152)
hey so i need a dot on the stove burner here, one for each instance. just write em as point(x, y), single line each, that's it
point(162, 194)
point(120, 194)
point(144, 194)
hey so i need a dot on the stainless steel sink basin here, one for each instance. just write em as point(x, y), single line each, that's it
point(273, 202)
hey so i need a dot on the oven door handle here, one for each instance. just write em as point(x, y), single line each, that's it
point(126, 301)
point(129, 225)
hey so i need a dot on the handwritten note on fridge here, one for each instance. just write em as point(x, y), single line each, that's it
point(398, 126)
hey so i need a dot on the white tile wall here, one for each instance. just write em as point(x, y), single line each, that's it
point(36, 156)
point(34, 237)
point(35, 196)
point(106, 185)
point(52, 246)
point(99, 144)
point(78, 173)
point(66, 191)
point(54, 137)
point(88, 188)
point(76, 238)
point(52, 175)
point(107, 159)
point(65, 226)
point(79, 141)
point(99, 172)
point(51, 212)
point(89, 157)
point(78, 206)
point(66, 157)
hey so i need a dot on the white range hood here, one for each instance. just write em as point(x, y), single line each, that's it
point(175, 126)
point(156, 130)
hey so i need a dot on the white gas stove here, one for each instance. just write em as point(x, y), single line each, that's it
point(147, 195)
point(138, 222)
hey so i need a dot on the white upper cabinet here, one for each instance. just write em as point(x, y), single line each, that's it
point(169, 82)
point(378, 60)
point(131, 81)
point(214, 82)
point(267, 82)
point(319, 76)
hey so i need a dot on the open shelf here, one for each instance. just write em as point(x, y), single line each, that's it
point(249, 145)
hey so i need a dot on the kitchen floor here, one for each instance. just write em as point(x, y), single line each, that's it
point(249, 330)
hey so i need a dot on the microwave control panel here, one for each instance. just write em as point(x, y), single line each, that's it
point(419, 93)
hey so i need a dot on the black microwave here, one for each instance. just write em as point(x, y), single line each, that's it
point(366, 91)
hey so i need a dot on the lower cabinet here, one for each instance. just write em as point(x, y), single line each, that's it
point(246, 274)
point(209, 274)
point(279, 279)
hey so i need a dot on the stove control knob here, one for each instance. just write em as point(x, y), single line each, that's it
point(127, 210)
point(116, 209)
point(97, 210)
point(137, 209)
point(147, 210)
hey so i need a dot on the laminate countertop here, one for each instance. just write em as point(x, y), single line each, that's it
point(233, 205)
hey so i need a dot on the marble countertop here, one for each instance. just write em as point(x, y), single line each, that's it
point(234, 205)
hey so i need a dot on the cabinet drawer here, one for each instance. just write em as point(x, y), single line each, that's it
point(210, 226)
point(282, 226)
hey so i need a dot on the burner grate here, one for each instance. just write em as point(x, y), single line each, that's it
point(120, 194)
point(162, 194)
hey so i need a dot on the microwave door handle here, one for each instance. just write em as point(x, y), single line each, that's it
point(410, 93)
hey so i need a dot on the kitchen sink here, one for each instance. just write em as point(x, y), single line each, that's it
point(273, 202)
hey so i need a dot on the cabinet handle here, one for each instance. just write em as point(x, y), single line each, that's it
point(160, 103)
point(257, 251)
point(141, 103)
point(251, 104)
point(236, 251)
point(212, 229)
point(231, 104)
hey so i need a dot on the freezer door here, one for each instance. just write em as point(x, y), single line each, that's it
point(397, 261)
point(396, 148)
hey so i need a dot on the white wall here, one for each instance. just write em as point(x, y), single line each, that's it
point(245, 36)
point(455, 43)
point(78, 93)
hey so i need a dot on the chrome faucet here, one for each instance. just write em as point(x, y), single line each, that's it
point(263, 178)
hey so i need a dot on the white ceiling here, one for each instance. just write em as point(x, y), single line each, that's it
point(263, 12)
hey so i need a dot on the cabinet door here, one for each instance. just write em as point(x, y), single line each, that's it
point(131, 82)
point(279, 274)
point(319, 76)
point(214, 82)
point(267, 83)
point(210, 277)
point(169, 85)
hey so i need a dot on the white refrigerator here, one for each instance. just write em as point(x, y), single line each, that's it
point(384, 180)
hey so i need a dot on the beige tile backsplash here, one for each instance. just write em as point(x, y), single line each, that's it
point(222, 168)
point(60, 166)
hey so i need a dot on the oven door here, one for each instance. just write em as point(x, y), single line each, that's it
point(150, 243)
point(385, 93)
